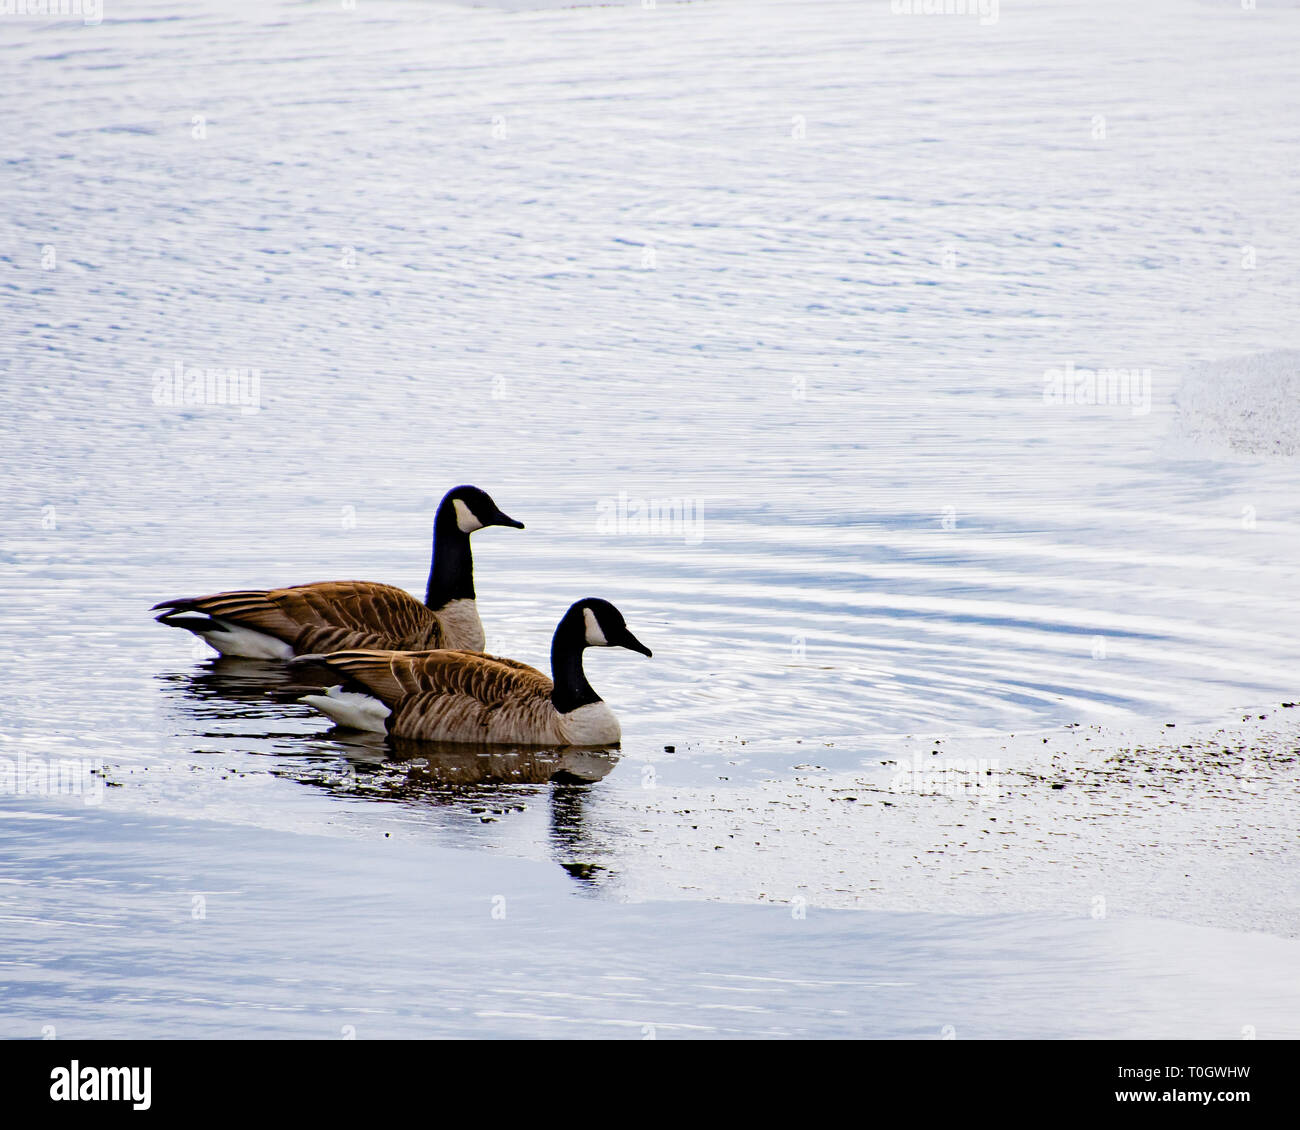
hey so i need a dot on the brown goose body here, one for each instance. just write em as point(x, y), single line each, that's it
point(462, 696)
point(331, 616)
point(328, 616)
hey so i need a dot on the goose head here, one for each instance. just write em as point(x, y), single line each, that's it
point(471, 509)
point(588, 623)
point(603, 625)
point(463, 510)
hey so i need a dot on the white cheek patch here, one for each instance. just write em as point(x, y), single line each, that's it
point(595, 637)
point(465, 517)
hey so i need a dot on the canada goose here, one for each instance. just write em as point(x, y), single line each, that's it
point(458, 696)
point(331, 616)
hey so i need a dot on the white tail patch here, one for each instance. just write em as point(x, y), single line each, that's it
point(231, 639)
point(595, 637)
point(352, 709)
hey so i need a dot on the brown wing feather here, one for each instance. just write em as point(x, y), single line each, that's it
point(327, 616)
point(396, 675)
point(449, 695)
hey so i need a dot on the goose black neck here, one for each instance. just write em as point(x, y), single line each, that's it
point(451, 576)
point(571, 687)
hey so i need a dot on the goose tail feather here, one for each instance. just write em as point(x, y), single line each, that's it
point(350, 709)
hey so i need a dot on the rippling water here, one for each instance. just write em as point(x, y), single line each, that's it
point(801, 268)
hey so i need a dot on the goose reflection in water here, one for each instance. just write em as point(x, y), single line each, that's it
point(435, 765)
point(243, 688)
point(487, 782)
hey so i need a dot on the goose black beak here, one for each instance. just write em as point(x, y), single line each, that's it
point(629, 641)
point(503, 520)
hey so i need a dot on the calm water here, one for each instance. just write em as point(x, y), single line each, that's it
point(800, 267)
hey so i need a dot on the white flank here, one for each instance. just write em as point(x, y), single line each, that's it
point(350, 708)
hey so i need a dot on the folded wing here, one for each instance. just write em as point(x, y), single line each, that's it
point(327, 616)
point(455, 695)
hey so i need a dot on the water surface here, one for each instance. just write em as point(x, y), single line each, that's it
point(799, 267)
